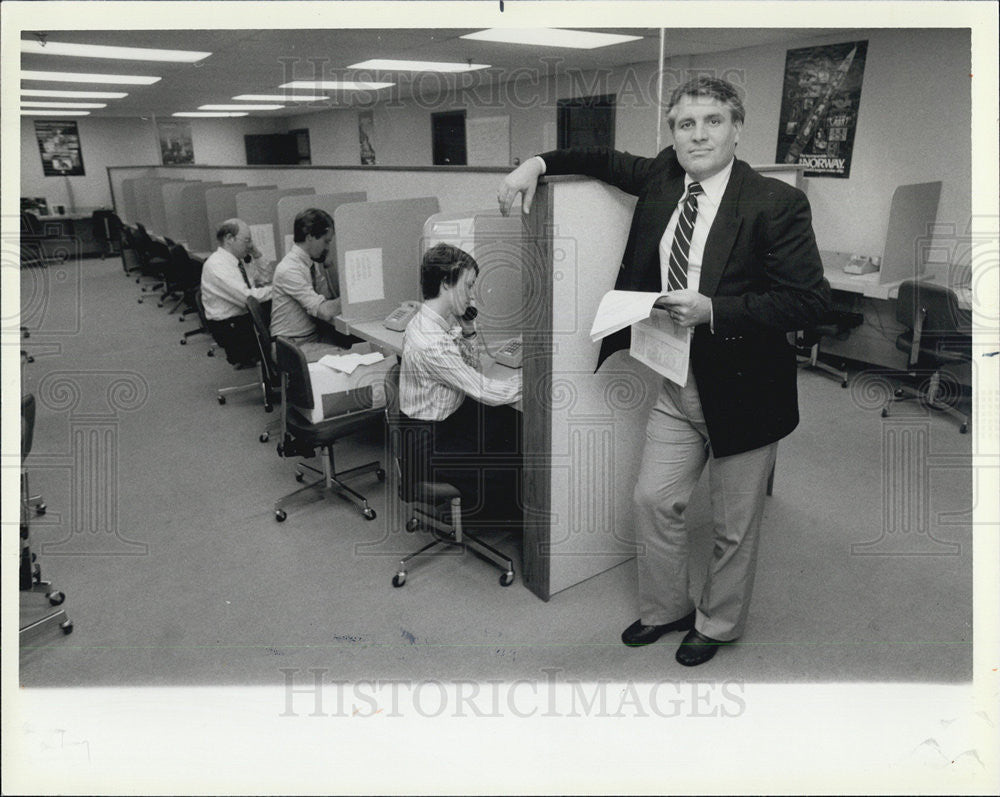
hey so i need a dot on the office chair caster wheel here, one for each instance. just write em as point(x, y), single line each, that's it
point(898, 392)
point(380, 474)
point(184, 342)
point(159, 304)
point(280, 515)
point(67, 627)
point(300, 476)
point(369, 514)
point(264, 437)
point(210, 353)
point(140, 301)
point(412, 525)
point(40, 509)
point(885, 412)
point(222, 399)
point(399, 579)
point(963, 429)
point(55, 598)
point(844, 383)
point(268, 408)
point(30, 359)
point(507, 578)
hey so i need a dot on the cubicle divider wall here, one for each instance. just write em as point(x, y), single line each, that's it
point(257, 208)
point(158, 207)
point(187, 218)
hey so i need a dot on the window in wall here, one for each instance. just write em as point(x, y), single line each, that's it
point(302, 144)
point(586, 122)
point(448, 137)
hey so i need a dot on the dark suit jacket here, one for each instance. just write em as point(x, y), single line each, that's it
point(761, 268)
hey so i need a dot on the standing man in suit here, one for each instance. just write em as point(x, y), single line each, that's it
point(735, 256)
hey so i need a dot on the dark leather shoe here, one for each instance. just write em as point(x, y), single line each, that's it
point(697, 648)
point(637, 634)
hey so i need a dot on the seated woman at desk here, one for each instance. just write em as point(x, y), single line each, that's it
point(459, 412)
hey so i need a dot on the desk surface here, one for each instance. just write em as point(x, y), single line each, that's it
point(868, 284)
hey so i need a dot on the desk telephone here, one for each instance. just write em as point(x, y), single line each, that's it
point(509, 353)
point(859, 264)
point(400, 317)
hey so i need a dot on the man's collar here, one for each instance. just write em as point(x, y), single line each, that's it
point(714, 186)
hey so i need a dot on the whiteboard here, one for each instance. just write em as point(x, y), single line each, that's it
point(487, 140)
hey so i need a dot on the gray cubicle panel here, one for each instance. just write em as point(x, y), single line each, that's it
point(220, 203)
point(378, 254)
point(158, 208)
point(147, 192)
point(289, 207)
point(583, 431)
point(186, 219)
point(257, 208)
point(494, 241)
point(128, 208)
point(908, 236)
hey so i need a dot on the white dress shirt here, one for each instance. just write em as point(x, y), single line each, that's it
point(301, 292)
point(437, 374)
point(708, 206)
point(223, 291)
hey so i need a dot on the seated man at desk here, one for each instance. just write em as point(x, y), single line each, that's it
point(303, 291)
point(226, 282)
point(441, 384)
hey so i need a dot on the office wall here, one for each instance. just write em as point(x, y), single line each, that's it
point(913, 126)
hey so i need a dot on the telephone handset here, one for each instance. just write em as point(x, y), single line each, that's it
point(400, 317)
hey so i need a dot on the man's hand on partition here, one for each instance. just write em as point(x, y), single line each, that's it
point(687, 308)
point(523, 180)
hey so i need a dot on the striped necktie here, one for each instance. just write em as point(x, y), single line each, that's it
point(243, 272)
point(680, 249)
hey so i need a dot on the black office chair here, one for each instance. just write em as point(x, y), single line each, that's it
point(938, 334)
point(344, 414)
point(833, 324)
point(154, 259)
point(437, 506)
point(227, 346)
point(30, 577)
point(131, 262)
point(107, 231)
point(260, 314)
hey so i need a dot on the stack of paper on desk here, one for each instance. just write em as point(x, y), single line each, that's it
point(348, 362)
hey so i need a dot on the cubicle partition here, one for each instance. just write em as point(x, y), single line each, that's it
point(158, 207)
point(220, 204)
point(258, 209)
point(187, 222)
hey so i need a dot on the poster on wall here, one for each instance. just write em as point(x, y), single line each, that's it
point(59, 144)
point(366, 135)
point(175, 142)
point(819, 107)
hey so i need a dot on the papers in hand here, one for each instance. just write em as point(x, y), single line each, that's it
point(656, 340)
point(347, 363)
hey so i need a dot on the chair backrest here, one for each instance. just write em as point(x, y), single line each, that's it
point(293, 365)
point(27, 423)
point(200, 307)
point(936, 305)
point(107, 225)
point(262, 331)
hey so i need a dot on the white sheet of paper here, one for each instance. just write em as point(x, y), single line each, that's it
point(263, 239)
point(663, 346)
point(364, 275)
point(619, 309)
point(347, 363)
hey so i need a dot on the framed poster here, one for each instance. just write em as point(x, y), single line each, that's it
point(175, 142)
point(59, 145)
point(819, 107)
point(366, 136)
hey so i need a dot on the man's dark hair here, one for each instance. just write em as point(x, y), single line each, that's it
point(713, 87)
point(311, 221)
point(443, 263)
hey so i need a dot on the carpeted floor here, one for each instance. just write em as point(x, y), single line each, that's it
point(161, 532)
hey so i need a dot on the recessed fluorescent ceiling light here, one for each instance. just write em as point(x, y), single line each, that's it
point(102, 51)
point(334, 85)
point(281, 97)
point(550, 37)
point(240, 107)
point(36, 104)
point(74, 95)
point(208, 113)
point(27, 112)
point(387, 64)
point(88, 77)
